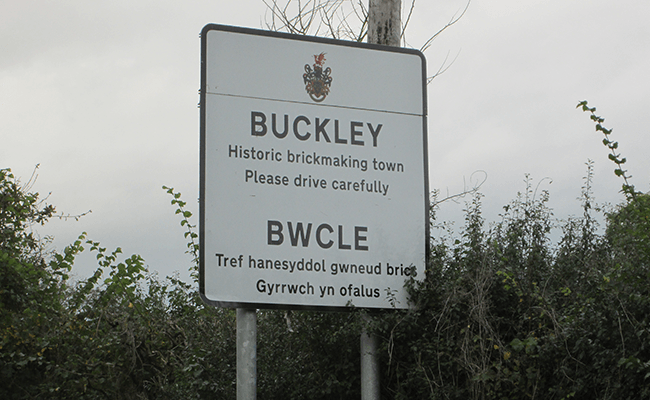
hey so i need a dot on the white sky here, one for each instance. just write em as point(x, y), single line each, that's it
point(103, 95)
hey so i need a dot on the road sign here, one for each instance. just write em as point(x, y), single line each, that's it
point(313, 171)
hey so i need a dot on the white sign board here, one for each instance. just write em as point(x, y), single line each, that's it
point(313, 171)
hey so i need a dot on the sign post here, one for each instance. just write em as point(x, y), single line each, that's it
point(384, 27)
point(314, 173)
point(246, 354)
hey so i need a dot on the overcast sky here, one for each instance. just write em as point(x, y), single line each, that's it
point(103, 95)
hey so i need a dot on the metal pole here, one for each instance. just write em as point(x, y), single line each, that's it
point(370, 388)
point(246, 354)
point(384, 27)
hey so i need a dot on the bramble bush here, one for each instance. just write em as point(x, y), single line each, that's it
point(503, 313)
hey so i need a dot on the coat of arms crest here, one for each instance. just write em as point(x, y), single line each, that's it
point(318, 80)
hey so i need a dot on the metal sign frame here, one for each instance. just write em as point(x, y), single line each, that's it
point(232, 76)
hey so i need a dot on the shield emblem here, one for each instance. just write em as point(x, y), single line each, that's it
point(317, 80)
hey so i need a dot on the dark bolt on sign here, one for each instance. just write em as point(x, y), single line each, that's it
point(313, 171)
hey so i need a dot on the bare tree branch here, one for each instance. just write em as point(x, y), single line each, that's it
point(342, 19)
point(443, 67)
point(466, 189)
point(455, 18)
point(408, 19)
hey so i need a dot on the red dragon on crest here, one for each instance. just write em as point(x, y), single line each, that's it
point(317, 81)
